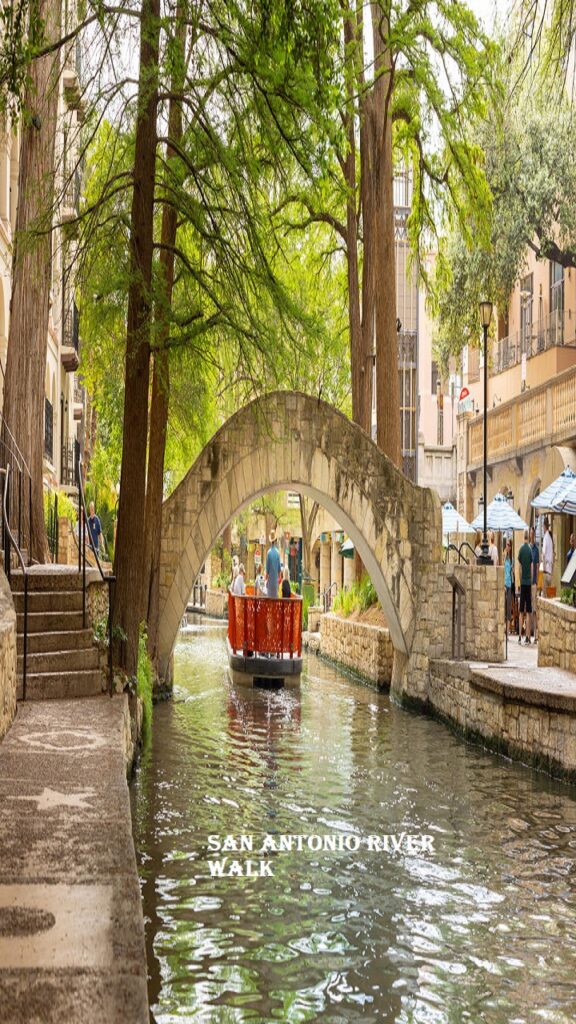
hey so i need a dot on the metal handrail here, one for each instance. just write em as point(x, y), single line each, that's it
point(465, 544)
point(8, 540)
point(108, 578)
point(326, 593)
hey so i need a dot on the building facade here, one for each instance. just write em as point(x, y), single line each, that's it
point(531, 400)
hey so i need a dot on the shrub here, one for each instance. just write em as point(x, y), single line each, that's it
point(568, 595)
point(144, 681)
point(356, 598)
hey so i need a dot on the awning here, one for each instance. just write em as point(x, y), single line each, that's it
point(347, 549)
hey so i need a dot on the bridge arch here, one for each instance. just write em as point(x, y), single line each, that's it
point(290, 441)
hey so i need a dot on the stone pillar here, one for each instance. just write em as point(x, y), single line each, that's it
point(336, 564)
point(349, 571)
point(324, 566)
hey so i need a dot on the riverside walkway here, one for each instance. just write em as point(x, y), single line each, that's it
point(71, 926)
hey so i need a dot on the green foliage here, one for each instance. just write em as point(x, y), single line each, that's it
point(100, 632)
point(144, 682)
point(66, 506)
point(306, 602)
point(360, 596)
point(568, 595)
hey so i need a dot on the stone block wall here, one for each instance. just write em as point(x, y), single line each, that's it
point(216, 604)
point(532, 726)
point(556, 634)
point(365, 649)
point(314, 616)
point(7, 656)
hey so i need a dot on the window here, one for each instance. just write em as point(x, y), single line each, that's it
point(526, 299)
point(435, 376)
point(556, 327)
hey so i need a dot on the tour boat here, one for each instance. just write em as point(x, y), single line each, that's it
point(264, 640)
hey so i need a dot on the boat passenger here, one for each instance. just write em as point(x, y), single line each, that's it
point(239, 585)
point(272, 567)
point(286, 588)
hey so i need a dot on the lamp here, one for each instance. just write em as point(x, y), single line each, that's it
point(485, 318)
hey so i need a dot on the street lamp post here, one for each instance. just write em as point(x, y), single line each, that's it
point(485, 318)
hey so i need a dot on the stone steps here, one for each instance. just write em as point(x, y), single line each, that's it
point(61, 660)
point(49, 601)
point(64, 661)
point(46, 622)
point(60, 685)
point(50, 578)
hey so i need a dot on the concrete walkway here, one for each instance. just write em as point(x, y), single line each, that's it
point(521, 678)
point(71, 928)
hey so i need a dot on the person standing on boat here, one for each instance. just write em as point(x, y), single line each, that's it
point(272, 567)
point(260, 583)
point(239, 585)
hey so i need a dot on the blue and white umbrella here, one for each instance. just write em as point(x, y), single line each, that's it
point(500, 516)
point(453, 522)
point(566, 501)
point(552, 494)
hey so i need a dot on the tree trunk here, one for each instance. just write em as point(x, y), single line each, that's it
point(161, 379)
point(360, 413)
point(128, 562)
point(382, 171)
point(32, 270)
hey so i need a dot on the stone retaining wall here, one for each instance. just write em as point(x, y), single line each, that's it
point(216, 604)
point(556, 634)
point(365, 649)
point(529, 725)
point(7, 656)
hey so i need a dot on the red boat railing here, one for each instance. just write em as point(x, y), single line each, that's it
point(265, 625)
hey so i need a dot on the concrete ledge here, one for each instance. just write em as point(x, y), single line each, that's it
point(532, 720)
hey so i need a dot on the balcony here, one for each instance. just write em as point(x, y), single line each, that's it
point(78, 406)
point(70, 339)
point(71, 196)
point(549, 332)
point(542, 416)
point(67, 464)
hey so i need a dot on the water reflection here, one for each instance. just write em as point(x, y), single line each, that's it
point(484, 931)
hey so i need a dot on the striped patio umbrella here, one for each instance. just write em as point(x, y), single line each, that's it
point(566, 501)
point(453, 522)
point(500, 516)
point(551, 495)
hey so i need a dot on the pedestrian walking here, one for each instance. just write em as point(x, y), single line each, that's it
point(508, 582)
point(547, 557)
point(535, 566)
point(286, 588)
point(525, 560)
point(493, 550)
point(272, 567)
point(94, 528)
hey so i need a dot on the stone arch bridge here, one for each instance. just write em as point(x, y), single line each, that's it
point(291, 441)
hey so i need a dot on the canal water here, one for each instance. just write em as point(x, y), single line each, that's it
point(481, 930)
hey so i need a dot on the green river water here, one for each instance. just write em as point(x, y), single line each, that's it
point(482, 930)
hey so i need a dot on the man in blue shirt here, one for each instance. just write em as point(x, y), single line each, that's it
point(272, 568)
point(94, 527)
point(535, 568)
